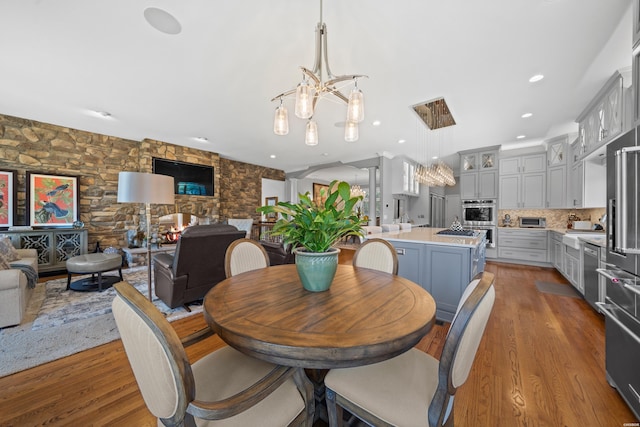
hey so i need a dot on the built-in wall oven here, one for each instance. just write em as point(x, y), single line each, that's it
point(479, 212)
point(622, 303)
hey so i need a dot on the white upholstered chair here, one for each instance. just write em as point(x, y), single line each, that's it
point(244, 224)
point(224, 388)
point(377, 254)
point(415, 389)
point(244, 255)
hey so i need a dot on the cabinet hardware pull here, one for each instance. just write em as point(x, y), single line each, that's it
point(400, 251)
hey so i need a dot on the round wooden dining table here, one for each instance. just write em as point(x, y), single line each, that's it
point(365, 317)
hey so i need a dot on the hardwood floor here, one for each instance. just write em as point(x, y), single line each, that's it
point(540, 363)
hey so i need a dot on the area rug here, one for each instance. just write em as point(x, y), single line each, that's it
point(557, 289)
point(59, 323)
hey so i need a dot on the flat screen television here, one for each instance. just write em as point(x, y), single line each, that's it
point(190, 179)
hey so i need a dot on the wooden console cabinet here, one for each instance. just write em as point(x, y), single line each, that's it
point(54, 246)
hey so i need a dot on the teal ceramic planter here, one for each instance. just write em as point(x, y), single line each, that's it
point(316, 269)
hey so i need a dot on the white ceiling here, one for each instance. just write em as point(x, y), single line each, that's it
point(63, 60)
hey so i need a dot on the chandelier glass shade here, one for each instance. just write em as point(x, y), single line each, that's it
point(350, 131)
point(314, 87)
point(281, 121)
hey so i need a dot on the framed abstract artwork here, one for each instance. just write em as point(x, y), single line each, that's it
point(320, 193)
point(52, 200)
point(7, 198)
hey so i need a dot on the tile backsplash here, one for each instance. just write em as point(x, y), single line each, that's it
point(556, 218)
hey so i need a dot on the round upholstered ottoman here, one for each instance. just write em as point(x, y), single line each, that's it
point(94, 264)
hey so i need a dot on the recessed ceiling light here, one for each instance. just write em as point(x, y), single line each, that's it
point(101, 114)
point(201, 139)
point(434, 158)
point(273, 156)
point(527, 115)
point(162, 21)
point(401, 141)
point(325, 154)
point(376, 123)
point(520, 136)
point(536, 78)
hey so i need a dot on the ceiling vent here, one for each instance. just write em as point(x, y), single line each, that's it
point(435, 114)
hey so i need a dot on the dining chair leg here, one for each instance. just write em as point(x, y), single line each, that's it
point(334, 411)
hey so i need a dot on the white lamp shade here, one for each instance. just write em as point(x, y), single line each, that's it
point(138, 187)
point(281, 121)
point(350, 131)
point(355, 108)
point(311, 133)
point(304, 105)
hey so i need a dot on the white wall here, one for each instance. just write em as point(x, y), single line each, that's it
point(272, 188)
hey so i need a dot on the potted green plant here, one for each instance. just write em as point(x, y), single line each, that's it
point(312, 228)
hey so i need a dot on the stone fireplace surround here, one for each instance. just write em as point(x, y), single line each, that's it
point(28, 145)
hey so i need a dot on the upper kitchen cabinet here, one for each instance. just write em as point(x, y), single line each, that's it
point(404, 177)
point(588, 179)
point(636, 23)
point(479, 173)
point(523, 181)
point(557, 171)
point(605, 117)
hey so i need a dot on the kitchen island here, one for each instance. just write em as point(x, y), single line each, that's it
point(443, 265)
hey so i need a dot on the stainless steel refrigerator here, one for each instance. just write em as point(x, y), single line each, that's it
point(622, 305)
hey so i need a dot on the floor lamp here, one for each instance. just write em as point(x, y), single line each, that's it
point(147, 188)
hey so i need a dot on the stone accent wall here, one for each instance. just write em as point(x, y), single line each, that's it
point(243, 188)
point(27, 145)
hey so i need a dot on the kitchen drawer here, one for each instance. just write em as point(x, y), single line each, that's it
point(535, 255)
point(523, 242)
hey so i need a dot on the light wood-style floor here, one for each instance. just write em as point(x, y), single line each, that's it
point(541, 363)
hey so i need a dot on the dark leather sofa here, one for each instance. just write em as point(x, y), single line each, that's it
point(277, 253)
point(197, 264)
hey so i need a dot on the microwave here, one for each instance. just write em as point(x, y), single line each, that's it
point(533, 222)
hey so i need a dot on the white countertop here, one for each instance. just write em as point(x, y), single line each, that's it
point(428, 235)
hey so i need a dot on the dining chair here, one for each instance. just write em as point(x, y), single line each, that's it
point(377, 254)
point(414, 388)
point(244, 255)
point(223, 388)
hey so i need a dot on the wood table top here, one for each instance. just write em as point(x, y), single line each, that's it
point(365, 317)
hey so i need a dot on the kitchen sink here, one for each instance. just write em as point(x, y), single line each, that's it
point(572, 239)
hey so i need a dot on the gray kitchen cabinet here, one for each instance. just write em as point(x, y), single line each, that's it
point(588, 181)
point(479, 174)
point(522, 182)
point(410, 256)
point(525, 245)
point(636, 22)
point(448, 272)
point(556, 250)
point(523, 191)
point(523, 164)
point(573, 267)
point(403, 177)
point(558, 149)
point(479, 185)
point(557, 186)
point(442, 270)
point(602, 118)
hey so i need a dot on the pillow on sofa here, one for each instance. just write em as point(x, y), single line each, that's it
point(4, 264)
point(7, 249)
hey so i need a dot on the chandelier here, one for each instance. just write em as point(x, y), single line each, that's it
point(357, 191)
point(431, 170)
point(314, 87)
